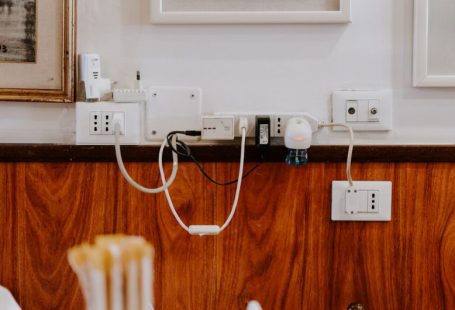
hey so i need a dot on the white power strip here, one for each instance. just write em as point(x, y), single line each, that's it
point(130, 95)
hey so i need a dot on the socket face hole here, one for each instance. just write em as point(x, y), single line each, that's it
point(279, 119)
point(95, 116)
point(279, 130)
point(95, 129)
point(373, 195)
point(373, 207)
point(107, 117)
point(351, 111)
point(373, 201)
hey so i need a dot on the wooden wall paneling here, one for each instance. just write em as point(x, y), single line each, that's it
point(440, 232)
point(240, 263)
point(186, 264)
point(59, 205)
point(281, 248)
point(424, 205)
point(448, 262)
point(8, 229)
point(270, 247)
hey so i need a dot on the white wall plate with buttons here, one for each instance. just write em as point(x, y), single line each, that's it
point(172, 108)
point(365, 201)
point(363, 110)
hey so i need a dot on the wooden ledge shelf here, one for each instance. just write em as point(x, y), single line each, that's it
point(223, 153)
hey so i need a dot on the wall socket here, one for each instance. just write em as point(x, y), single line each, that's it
point(278, 122)
point(363, 110)
point(102, 123)
point(95, 122)
point(365, 201)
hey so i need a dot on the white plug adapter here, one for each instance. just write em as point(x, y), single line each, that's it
point(217, 127)
point(118, 120)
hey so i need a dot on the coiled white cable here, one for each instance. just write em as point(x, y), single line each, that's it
point(351, 147)
point(130, 180)
point(206, 229)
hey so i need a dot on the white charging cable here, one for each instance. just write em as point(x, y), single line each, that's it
point(129, 179)
point(203, 230)
point(351, 146)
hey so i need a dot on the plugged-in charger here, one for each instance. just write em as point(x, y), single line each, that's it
point(216, 127)
point(262, 135)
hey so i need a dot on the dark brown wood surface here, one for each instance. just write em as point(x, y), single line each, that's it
point(226, 153)
point(281, 248)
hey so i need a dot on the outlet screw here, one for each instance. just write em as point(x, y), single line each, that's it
point(154, 132)
point(154, 95)
point(192, 96)
point(351, 111)
point(374, 111)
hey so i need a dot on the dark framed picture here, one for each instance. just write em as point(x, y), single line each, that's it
point(37, 50)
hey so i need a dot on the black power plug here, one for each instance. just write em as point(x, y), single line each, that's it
point(262, 136)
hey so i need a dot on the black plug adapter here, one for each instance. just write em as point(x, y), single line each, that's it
point(262, 136)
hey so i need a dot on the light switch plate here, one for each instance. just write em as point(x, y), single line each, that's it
point(172, 108)
point(373, 110)
point(364, 201)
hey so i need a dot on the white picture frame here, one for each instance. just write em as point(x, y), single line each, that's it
point(159, 16)
point(421, 73)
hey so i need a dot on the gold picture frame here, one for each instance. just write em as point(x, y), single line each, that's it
point(64, 62)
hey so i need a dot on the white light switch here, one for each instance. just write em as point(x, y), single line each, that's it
point(363, 110)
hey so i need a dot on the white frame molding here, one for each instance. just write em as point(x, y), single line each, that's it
point(421, 77)
point(158, 16)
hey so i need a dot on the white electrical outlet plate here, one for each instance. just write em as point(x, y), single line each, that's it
point(277, 121)
point(365, 201)
point(95, 122)
point(363, 110)
point(170, 109)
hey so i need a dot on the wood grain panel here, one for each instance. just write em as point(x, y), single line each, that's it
point(8, 228)
point(58, 207)
point(281, 247)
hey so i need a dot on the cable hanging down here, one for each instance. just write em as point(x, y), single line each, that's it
point(205, 229)
point(351, 147)
point(130, 180)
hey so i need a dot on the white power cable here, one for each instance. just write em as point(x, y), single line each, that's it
point(130, 180)
point(351, 146)
point(207, 229)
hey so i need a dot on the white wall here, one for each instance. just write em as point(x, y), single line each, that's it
point(254, 68)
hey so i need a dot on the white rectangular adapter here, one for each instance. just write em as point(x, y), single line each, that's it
point(217, 127)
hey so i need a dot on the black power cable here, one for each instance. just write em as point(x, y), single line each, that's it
point(182, 149)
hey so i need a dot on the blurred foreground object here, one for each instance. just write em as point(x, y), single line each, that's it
point(115, 273)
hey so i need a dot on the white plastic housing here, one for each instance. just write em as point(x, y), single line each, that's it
point(204, 230)
point(89, 67)
point(217, 127)
point(128, 112)
point(363, 110)
point(298, 134)
point(170, 109)
point(365, 201)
